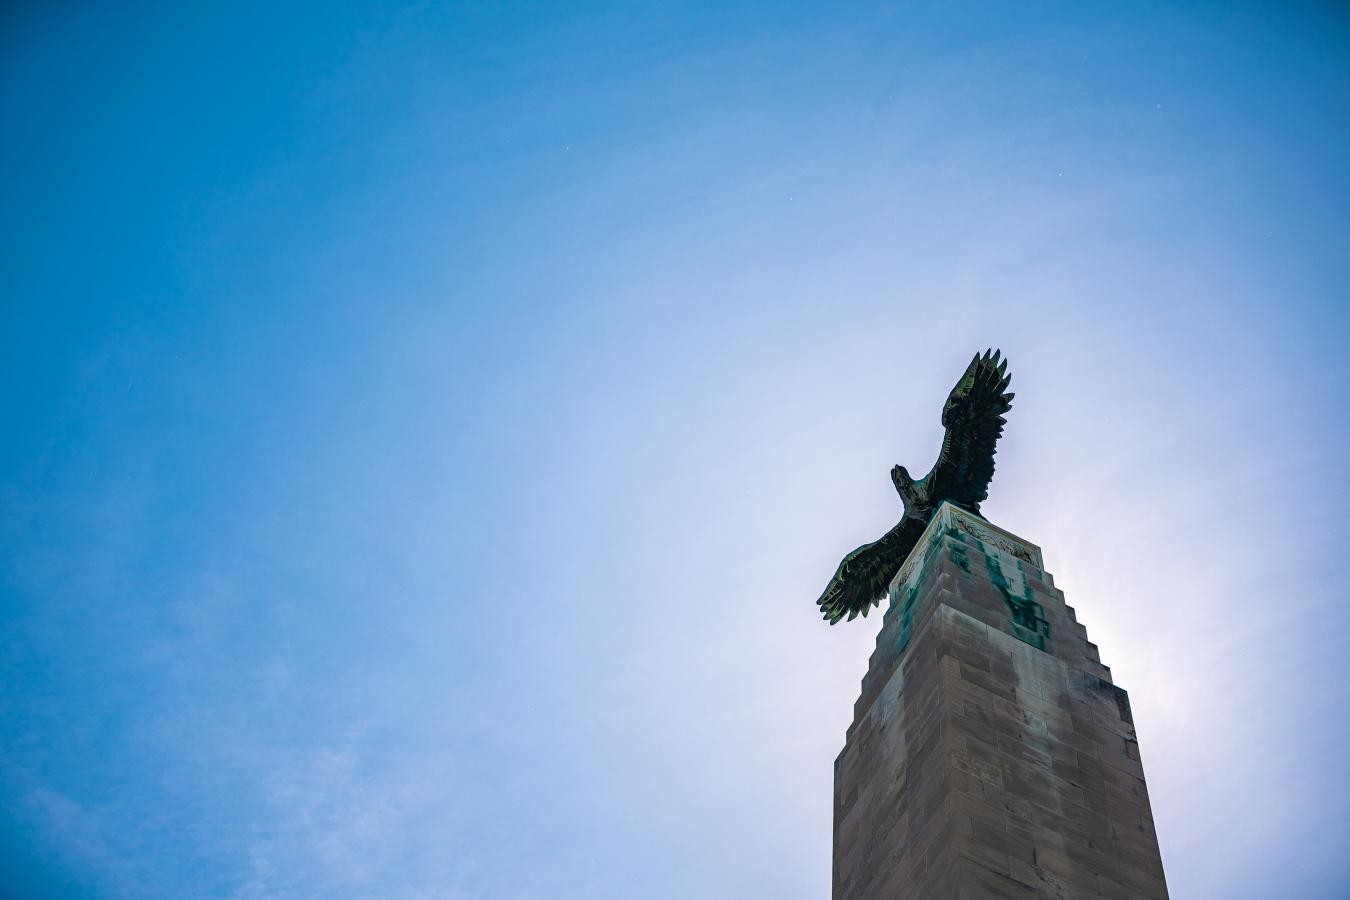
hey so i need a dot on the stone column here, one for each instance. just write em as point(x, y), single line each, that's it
point(990, 754)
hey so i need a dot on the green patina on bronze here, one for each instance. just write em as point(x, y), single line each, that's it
point(973, 419)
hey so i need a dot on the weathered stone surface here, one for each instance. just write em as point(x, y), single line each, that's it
point(990, 754)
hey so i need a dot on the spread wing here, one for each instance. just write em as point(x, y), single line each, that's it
point(865, 574)
point(974, 420)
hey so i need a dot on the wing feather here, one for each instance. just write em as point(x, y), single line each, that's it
point(865, 574)
point(973, 416)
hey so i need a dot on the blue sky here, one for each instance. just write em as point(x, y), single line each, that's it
point(428, 428)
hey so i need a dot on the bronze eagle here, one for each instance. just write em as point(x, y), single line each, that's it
point(973, 417)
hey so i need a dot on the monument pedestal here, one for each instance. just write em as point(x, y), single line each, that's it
point(990, 755)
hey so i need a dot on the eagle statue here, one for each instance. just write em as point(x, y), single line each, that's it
point(973, 417)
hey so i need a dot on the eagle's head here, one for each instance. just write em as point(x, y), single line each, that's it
point(907, 489)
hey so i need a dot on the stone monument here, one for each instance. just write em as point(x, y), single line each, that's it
point(990, 755)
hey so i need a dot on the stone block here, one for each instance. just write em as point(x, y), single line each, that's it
point(990, 753)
